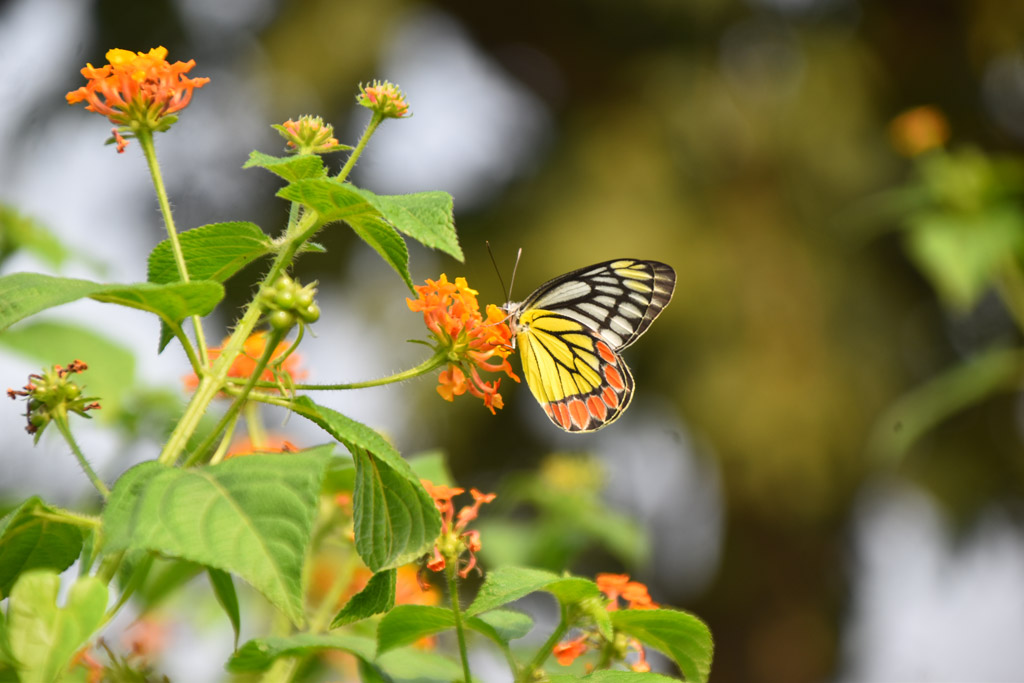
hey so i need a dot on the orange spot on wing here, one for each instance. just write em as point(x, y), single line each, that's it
point(614, 378)
point(611, 399)
point(578, 412)
point(597, 408)
point(562, 413)
point(606, 353)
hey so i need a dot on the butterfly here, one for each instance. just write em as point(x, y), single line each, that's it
point(571, 331)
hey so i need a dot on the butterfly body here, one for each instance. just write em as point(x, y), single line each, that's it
point(571, 330)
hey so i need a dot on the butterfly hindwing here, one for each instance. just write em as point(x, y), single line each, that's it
point(570, 332)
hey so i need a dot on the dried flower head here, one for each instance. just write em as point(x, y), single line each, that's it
point(52, 395)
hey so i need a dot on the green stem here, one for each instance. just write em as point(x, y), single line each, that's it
point(375, 121)
point(61, 420)
point(426, 367)
point(451, 564)
point(145, 138)
point(1010, 284)
point(213, 381)
point(231, 415)
point(69, 517)
point(222, 447)
point(527, 672)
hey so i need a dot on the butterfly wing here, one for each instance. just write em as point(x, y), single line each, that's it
point(570, 332)
point(618, 299)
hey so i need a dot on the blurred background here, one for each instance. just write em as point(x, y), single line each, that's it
point(823, 459)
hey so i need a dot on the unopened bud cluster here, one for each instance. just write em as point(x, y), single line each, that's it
point(290, 302)
point(53, 395)
point(309, 135)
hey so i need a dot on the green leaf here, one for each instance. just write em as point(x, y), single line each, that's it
point(33, 537)
point(506, 584)
point(332, 200)
point(385, 241)
point(259, 654)
point(507, 624)
point(427, 217)
point(291, 168)
point(251, 516)
point(25, 294)
point(224, 590)
point(395, 520)
point(610, 676)
point(377, 596)
point(18, 231)
point(679, 635)
point(337, 201)
point(111, 371)
point(413, 664)
point(43, 637)
point(962, 253)
point(406, 624)
point(212, 252)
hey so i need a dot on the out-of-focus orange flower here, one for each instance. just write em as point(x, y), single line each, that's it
point(245, 363)
point(384, 98)
point(918, 130)
point(567, 651)
point(617, 586)
point(146, 638)
point(273, 444)
point(614, 586)
point(93, 667)
point(471, 342)
point(137, 90)
point(454, 540)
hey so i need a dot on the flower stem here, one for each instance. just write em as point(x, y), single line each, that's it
point(213, 381)
point(61, 421)
point(375, 121)
point(426, 367)
point(145, 138)
point(451, 569)
point(231, 415)
point(527, 672)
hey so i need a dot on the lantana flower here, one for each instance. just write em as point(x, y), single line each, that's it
point(470, 342)
point(616, 587)
point(454, 540)
point(245, 363)
point(52, 395)
point(309, 135)
point(137, 91)
point(918, 130)
point(383, 98)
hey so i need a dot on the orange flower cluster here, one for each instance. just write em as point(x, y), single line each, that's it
point(615, 587)
point(451, 312)
point(454, 539)
point(273, 444)
point(137, 90)
point(245, 363)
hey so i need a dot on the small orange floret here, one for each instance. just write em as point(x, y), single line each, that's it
point(384, 98)
point(617, 586)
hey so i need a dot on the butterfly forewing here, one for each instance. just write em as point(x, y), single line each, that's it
point(570, 332)
point(619, 299)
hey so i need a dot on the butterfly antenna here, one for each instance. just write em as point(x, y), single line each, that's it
point(519, 255)
point(497, 270)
